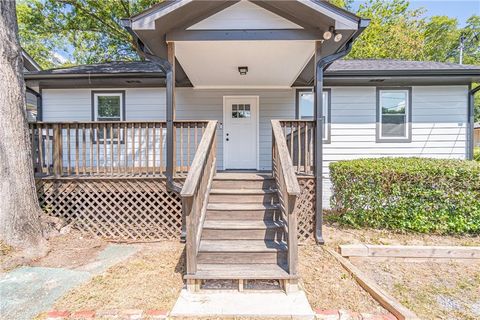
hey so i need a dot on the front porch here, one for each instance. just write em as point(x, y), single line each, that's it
point(111, 179)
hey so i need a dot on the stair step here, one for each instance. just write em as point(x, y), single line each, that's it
point(259, 215)
point(242, 230)
point(243, 191)
point(247, 246)
point(241, 206)
point(242, 176)
point(241, 224)
point(243, 181)
point(240, 271)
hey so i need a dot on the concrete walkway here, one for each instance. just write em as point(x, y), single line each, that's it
point(274, 304)
point(28, 291)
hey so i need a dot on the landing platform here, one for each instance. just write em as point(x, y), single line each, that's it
point(276, 305)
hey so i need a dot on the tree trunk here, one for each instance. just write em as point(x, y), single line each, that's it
point(20, 212)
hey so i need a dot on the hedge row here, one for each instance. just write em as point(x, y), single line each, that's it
point(407, 194)
point(476, 154)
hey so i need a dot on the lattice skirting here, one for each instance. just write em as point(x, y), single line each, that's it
point(305, 208)
point(130, 209)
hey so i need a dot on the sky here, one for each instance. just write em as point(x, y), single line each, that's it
point(460, 9)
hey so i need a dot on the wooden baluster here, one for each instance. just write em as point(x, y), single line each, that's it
point(111, 142)
point(105, 156)
point(291, 139)
point(140, 147)
point(90, 130)
point(188, 146)
point(125, 141)
point(133, 147)
point(84, 152)
point(97, 142)
point(147, 146)
point(161, 147)
point(119, 147)
point(40, 147)
point(154, 147)
point(57, 146)
point(77, 149)
point(181, 147)
point(196, 135)
point(306, 157)
point(299, 147)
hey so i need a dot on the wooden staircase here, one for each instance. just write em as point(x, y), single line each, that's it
point(243, 233)
point(240, 226)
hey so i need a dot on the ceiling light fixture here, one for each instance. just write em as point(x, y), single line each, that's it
point(243, 70)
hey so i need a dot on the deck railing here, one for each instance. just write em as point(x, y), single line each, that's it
point(300, 139)
point(288, 191)
point(112, 147)
point(195, 193)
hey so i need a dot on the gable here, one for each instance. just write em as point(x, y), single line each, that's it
point(244, 15)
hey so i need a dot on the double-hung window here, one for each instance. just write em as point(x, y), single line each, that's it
point(108, 106)
point(306, 109)
point(394, 114)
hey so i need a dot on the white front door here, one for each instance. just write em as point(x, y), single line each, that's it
point(240, 132)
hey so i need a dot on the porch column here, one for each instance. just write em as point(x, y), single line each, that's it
point(318, 155)
point(170, 115)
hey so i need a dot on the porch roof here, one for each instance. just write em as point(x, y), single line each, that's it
point(276, 39)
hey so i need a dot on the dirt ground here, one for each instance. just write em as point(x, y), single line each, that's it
point(71, 250)
point(328, 286)
point(151, 279)
point(334, 235)
point(432, 290)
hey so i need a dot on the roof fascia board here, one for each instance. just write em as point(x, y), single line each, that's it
point(401, 73)
point(93, 75)
point(342, 20)
point(147, 21)
point(243, 35)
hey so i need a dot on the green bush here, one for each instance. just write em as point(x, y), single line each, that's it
point(476, 154)
point(407, 194)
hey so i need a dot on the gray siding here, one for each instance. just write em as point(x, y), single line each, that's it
point(439, 115)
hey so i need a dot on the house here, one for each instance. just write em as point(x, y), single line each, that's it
point(225, 134)
point(32, 97)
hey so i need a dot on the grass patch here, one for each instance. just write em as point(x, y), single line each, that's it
point(151, 279)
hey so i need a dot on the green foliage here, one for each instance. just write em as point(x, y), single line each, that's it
point(408, 194)
point(89, 28)
point(476, 154)
point(394, 32)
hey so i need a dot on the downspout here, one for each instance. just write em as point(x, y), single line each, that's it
point(471, 121)
point(321, 65)
point(167, 69)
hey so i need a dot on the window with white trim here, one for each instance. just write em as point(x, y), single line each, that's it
point(306, 107)
point(108, 106)
point(393, 112)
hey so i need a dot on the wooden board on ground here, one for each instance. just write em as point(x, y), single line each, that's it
point(439, 252)
point(387, 301)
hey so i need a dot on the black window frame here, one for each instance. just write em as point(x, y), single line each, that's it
point(328, 122)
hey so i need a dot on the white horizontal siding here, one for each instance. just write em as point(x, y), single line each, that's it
point(439, 115)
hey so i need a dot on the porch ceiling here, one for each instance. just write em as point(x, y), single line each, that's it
point(271, 64)
point(275, 39)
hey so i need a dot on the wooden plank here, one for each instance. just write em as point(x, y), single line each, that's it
point(399, 251)
point(387, 301)
point(193, 178)
point(285, 161)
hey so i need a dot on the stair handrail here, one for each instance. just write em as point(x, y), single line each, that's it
point(195, 193)
point(288, 191)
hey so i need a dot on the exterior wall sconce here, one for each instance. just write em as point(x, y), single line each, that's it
point(243, 70)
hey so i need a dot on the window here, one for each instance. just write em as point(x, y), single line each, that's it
point(393, 115)
point(240, 111)
point(108, 106)
point(305, 109)
point(31, 106)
